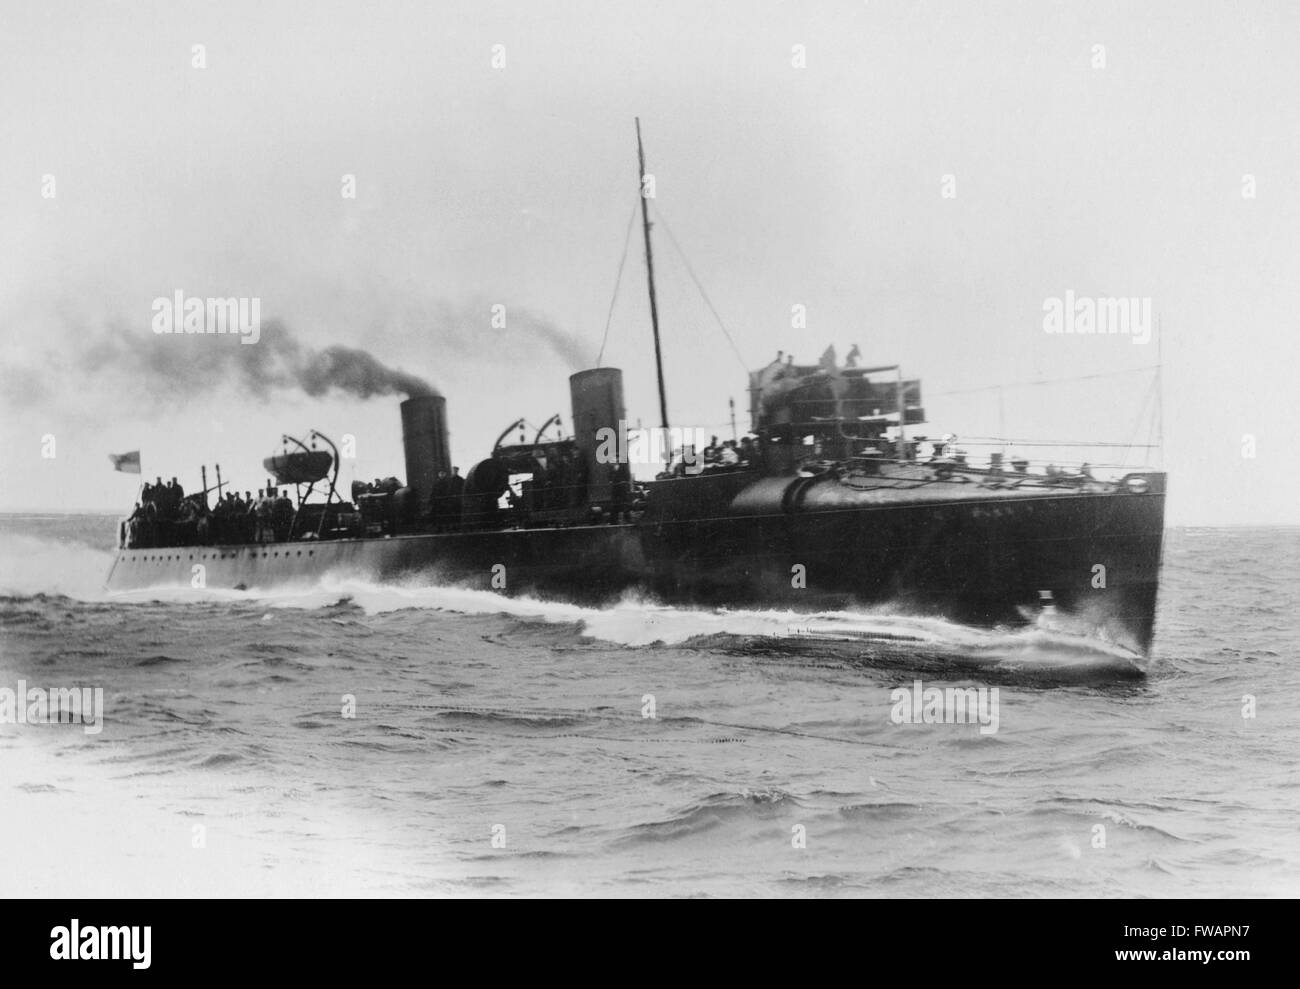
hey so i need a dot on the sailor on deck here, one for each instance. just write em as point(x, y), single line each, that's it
point(438, 500)
point(282, 516)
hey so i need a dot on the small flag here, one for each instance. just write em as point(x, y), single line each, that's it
point(128, 463)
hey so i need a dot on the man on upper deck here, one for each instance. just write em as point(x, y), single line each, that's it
point(282, 516)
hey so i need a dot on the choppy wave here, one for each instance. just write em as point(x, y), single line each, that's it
point(37, 565)
point(770, 764)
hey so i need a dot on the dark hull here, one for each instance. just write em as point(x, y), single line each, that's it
point(981, 558)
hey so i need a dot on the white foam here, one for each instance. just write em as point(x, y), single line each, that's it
point(30, 565)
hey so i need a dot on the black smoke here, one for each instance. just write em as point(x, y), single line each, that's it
point(565, 346)
point(354, 372)
point(167, 366)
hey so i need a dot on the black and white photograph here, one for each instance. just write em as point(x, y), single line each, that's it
point(789, 449)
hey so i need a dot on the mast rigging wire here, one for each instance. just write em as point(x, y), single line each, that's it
point(704, 295)
point(618, 280)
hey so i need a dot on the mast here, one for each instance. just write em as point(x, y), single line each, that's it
point(650, 275)
point(902, 418)
point(1160, 393)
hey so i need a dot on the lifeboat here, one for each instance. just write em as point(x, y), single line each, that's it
point(299, 467)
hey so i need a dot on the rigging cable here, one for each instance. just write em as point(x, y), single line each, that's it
point(704, 295)
point(1142, 416)
point(618, 280)
point(1045, 381)
point(1005, 440)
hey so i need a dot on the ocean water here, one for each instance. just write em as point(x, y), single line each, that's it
point(502, 747)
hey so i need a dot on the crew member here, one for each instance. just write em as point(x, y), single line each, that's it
point(620, 493)
point(282, 516)
point(438, 500)
point(712, 452)
point(456, 488)
point(748, 450)
point(265, 508)
point(250, 518)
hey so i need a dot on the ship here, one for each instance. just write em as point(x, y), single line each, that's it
point(834, 502)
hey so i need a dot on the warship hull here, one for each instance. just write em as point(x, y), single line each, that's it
point(962, 552)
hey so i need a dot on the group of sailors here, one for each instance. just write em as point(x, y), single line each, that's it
point(161, 515)
point(727, 455)
point(165, 516)
point(268, 518)
point(731, 453)
point(161, 501)
point(384, 486)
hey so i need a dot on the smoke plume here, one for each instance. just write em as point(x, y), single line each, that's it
point(178, 365)
point(566, 346)
point(81, 352)
point(355, 372)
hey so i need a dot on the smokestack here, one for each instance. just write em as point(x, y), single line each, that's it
point(597, 397)
point(424, 440)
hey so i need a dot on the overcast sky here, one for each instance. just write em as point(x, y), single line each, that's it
point(1163, 164)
